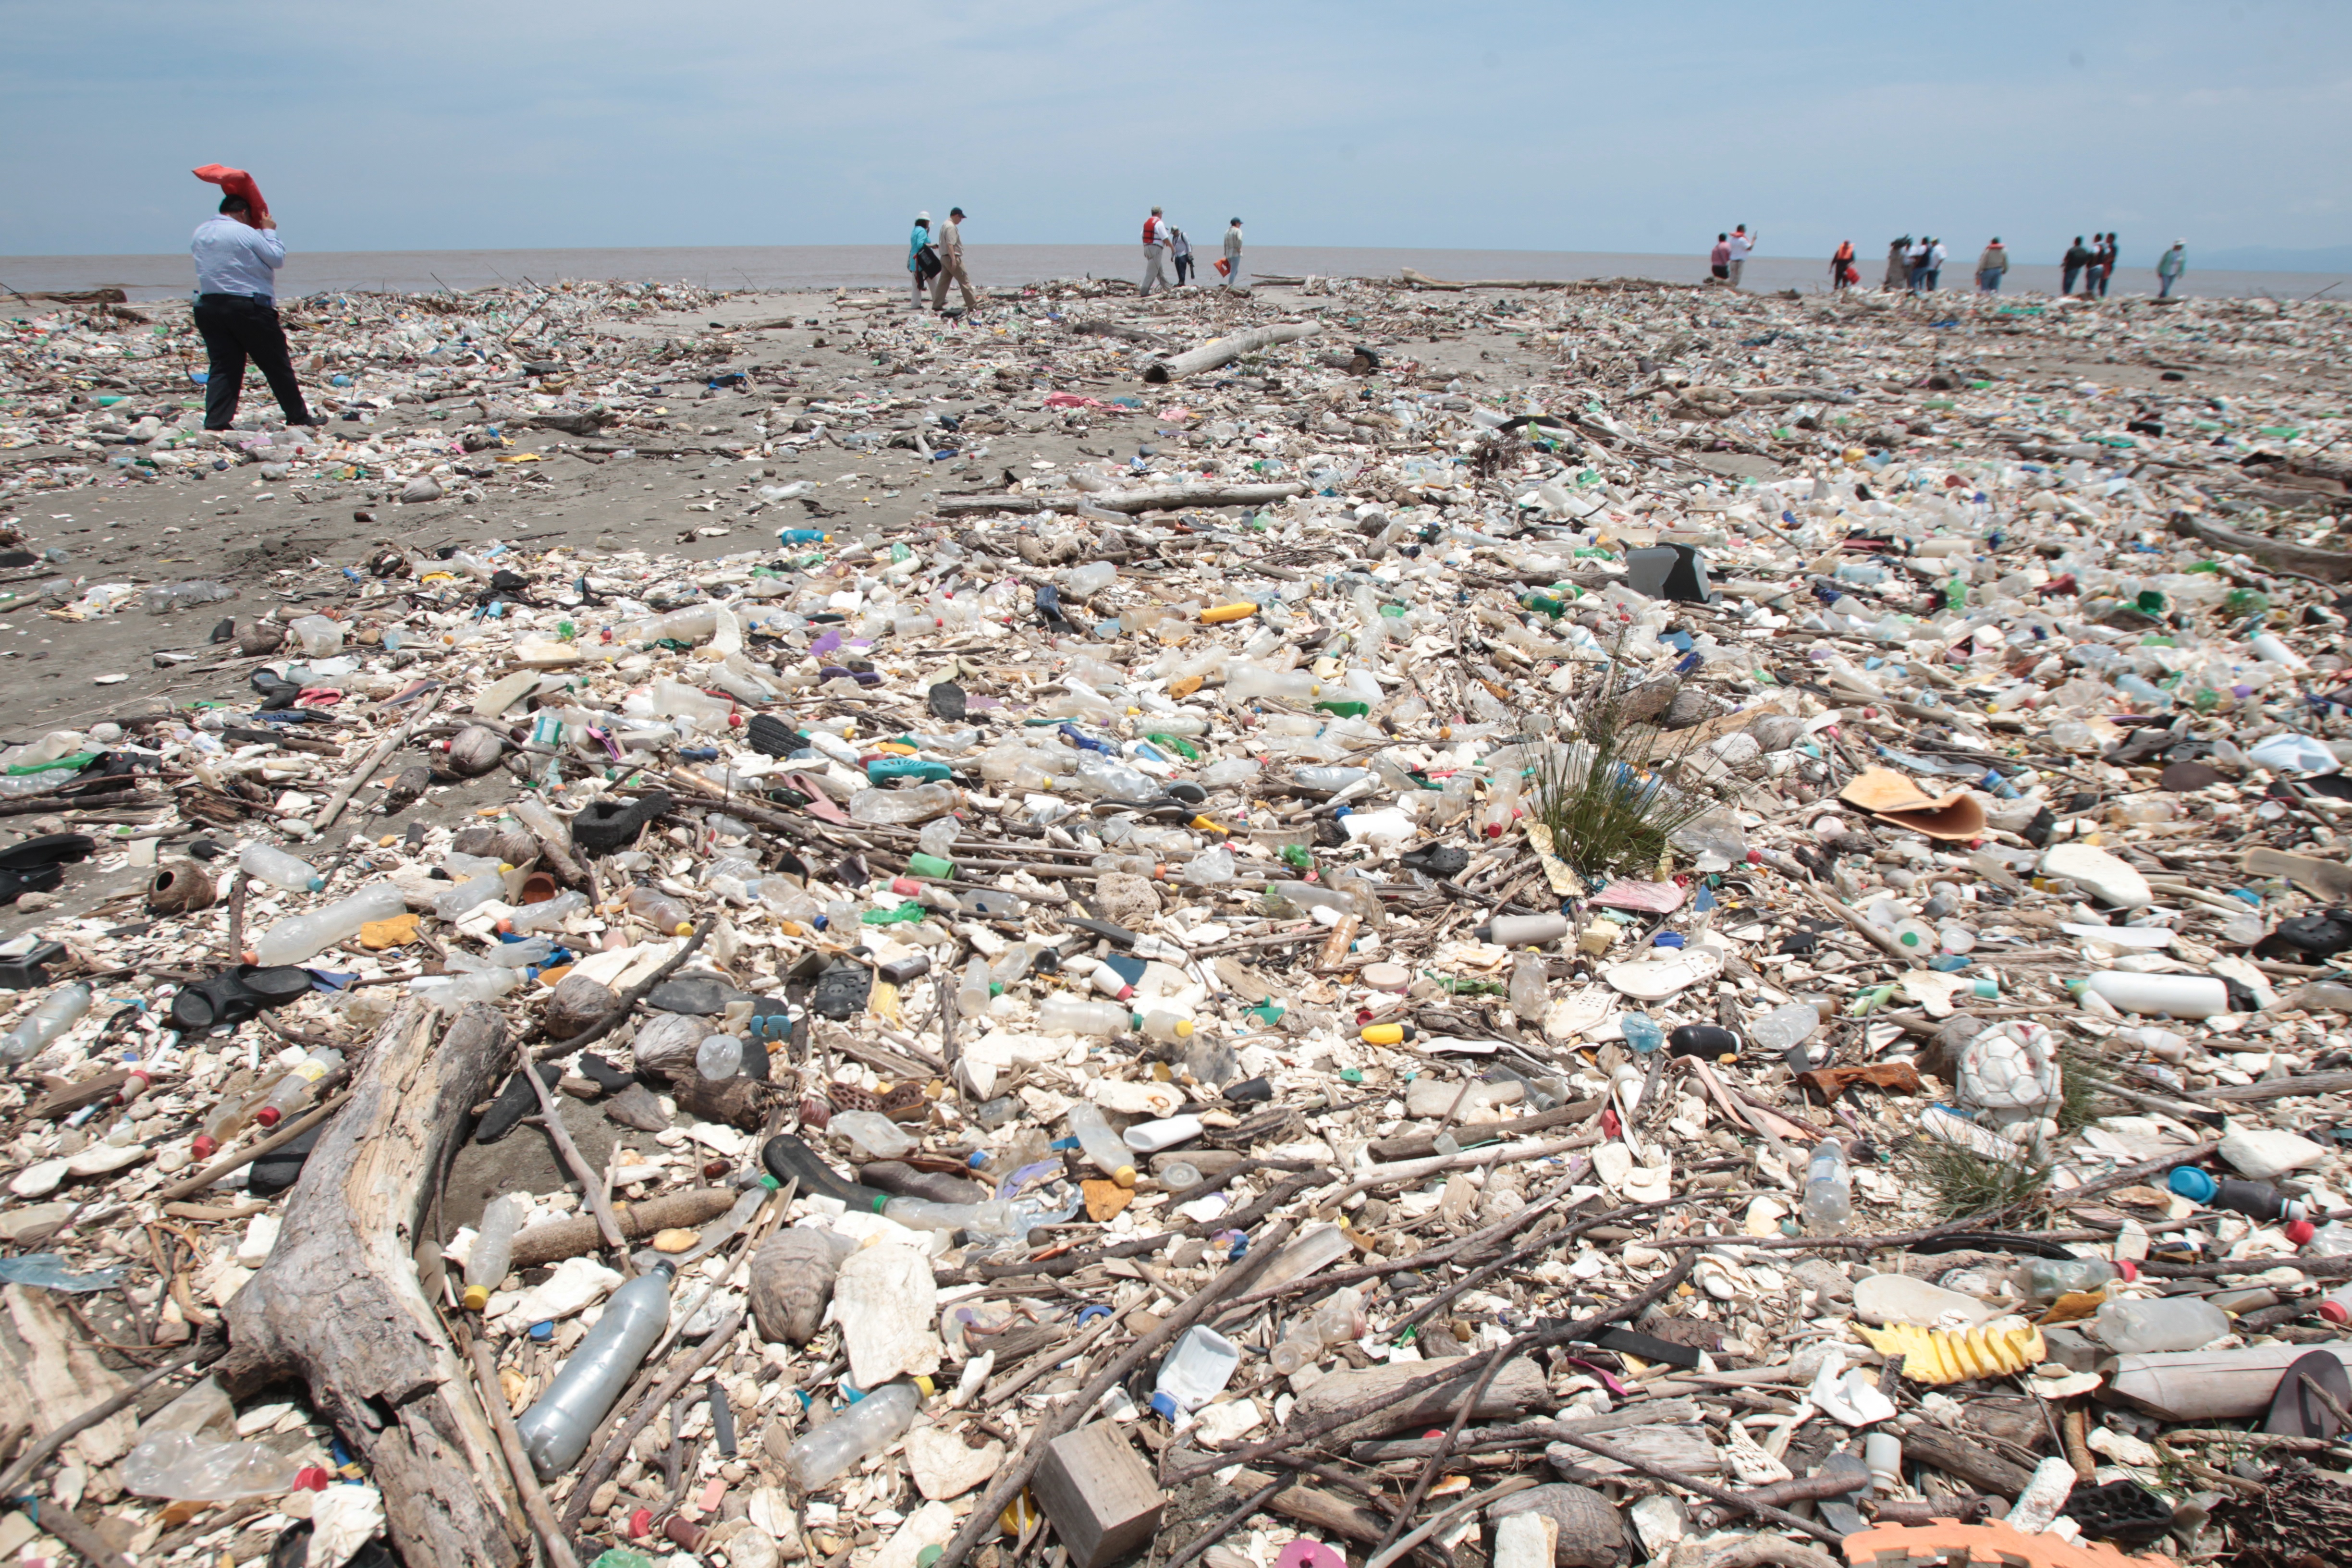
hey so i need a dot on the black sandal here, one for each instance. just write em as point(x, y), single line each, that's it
point(234, 996)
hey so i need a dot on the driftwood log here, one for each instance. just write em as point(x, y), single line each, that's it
point(2327, 565)
point(1227, 348)
point(1156, 498)
point(338, 1305)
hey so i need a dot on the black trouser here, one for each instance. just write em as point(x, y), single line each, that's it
point(235, 329)
point(2067, 285)
point(1183, 269)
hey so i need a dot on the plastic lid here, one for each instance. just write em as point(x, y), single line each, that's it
point(2127, 1268)
point(2300, 1231)
point(317, 883)
point(926, 1386)
point(2192, 1184)
point(771, 1183)
point(203, 1146)
point(268, 1115)
point(2335, 1311)
point(1163, 1405)
point(476, 1297)
point(1184, 1029)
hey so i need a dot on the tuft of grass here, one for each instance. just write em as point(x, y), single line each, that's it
point(1611, 807)
point(2081, 1076)
point(1966, 1183)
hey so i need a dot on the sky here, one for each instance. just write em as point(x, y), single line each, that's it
point(429, 124)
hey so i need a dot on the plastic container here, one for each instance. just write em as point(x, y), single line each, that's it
point(2170, 1323)
point(1252, 682)
point(1789, 1025)
point(1336, 1320)
point(1150, 1137)
point(1075, 1016)
point(1530, 988)
point(2337, 1305)
point(226, 1119)
point(486, 1266)
point(187, 1468)
point(451, 902)
point(306, 936)
point(2047, 1278)
point(882, 806)
point(995, 1217)
point(1318, 1248)
point(57, 1013)
point(1165, 1027)
point(821, 1455)
point(1196, 1370)
point(548, 915)
point(879, 1137)
point(1829, 1190)
point(1105, 1147)
point(2165, 995)
point(555, 1430)
point(279, 870)
point(293, 1091)
point(972, 992)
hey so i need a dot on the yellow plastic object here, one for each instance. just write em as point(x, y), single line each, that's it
point(1942, 1355)
point(1385, 1033)
point(1218, 614)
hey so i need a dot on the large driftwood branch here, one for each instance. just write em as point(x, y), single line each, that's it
point(1158, 498)
point(1227, 348)
point(2327, 565)
point(338, 1302)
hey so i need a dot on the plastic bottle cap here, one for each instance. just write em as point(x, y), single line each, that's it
point(203, 1146)
point(2300, 1231)
point(926, 1386)
point(1163, 1407)
point(2335, 1311)
point(476, 1297)
point(1124, 1175)
point(268, 1115)
point(2192, 1184)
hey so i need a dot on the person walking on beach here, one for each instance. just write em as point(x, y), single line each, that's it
point(237, 257)
point(2102, 264)
point(1234, 254)
point(1181, 249)
point(1990, 265)
point(1839, 263)
point(921, 259)
point(1157, 241)
point(951, 251)
point(2170, 266)
point(2071, 267)
point(1898, 264)
point(1719, 260)
point(1936, 256)
point(1741, 243)
point(1916, 264)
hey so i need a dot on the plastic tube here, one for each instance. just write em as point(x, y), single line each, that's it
point(2176, 995)
point(306, 936)
point(1523, 930)
point(486, 1267)
point(556, 1430)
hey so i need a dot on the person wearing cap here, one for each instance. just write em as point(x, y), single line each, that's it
point(2170, 266)
point(950, 248)
point(237, 257)
point(1158, 239)
point(917, 243)
point(1234, 254)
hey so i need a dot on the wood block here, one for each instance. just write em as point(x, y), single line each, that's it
point(1099, 1495)
point(1517, 1388)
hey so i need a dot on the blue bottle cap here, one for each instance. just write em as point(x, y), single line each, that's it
point(1163, 1407)
point(2197, 1186)
point(544, 1332)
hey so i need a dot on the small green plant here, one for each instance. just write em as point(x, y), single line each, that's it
point(1967, 1185)
point(2080, 1076)
point(1609, 801)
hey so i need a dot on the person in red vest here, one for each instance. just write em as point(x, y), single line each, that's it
point(1158, 239)
point(1840, 264)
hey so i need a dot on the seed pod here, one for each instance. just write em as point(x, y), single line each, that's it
point(475, 750)
point(792, 1281)
point(576, 1003)
point(179, 886)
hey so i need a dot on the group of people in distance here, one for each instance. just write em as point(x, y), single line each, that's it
point(1915, 266)
point(936, 261)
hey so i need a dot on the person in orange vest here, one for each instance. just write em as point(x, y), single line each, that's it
point(1839, 263)
point(1158, 239)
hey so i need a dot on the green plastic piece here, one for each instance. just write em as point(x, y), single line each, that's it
point(921, 865)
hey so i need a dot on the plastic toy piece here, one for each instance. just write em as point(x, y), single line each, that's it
point(1940, 1356)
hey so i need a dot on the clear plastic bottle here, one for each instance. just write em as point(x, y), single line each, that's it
point(450, 991)
point(661, 911)
point(1251, 682)
point(1105, 1147)
point(1075, 1016)
point(1165, 1027)
point(2332, 1239)
point(718, 1057)
point(1829, 1190)
point(556, 1430)
point(2170, 1323)
point(306, 936)
point(544, 824)
point(453, 902)
point(486, 1266)
point(2335, 1307)
point(279, 870)
point(2047, 1278)
point(1196, 1370)
point(1336, 1322)
point(56, 1014)
point(821, 1455)
point(520, 954)
point(994, 1217)
point(887, 807)
point(1790, 1023)
point(1530, 988)
point(227, 1119)
point(972, 993)
point(293, 1091)
point(877, 1134)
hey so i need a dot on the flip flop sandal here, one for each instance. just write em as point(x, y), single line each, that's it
point(39, 880)
point(2295, 1413)
point(277, 693)
point(47, 850)
point(234, 996)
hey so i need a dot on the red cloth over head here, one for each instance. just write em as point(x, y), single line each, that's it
point(237, 182)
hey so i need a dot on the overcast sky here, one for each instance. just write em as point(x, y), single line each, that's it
point(430, 124)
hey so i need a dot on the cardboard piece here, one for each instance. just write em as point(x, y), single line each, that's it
point(1891, 797)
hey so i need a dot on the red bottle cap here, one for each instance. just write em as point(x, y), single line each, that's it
point(268, 1115)
point(2335, 1311)
point(311, 1478)
point(2301, 1231)
point(203, 1146)
point(2127, 1268)
point(641, 1524)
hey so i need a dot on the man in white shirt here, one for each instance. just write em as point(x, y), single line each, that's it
point(1234, 254)
point(951, 247)
point(1741, 242)
point(237, 312)
point(1158, 239)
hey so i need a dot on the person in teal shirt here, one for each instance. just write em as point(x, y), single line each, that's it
point(915, 244)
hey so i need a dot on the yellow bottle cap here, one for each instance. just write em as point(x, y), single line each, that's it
point(1124, 1175)
point(1184, 1029)
point(926, 1386)
point(476, 1297)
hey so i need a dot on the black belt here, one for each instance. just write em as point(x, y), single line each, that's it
point(250, 299)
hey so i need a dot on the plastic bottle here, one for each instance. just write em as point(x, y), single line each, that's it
point(2337, 1305)
point(972, 993)
point(2172, 995)
point(2047, 1278)
point(821, 1455)
point(556, 1430)
point(304, 936)
point(2332, 1239)
point(54, 1017)
point(877, 1134)
point(1105, 1147)
point(661, 911)
point(486, 1266)
point(450, 991)
point(1829, 1191)
point(1075, 1016)
point(2253, 1199)
point(1790, 1023)
point(1336, 1320)
point(995, 1217)
point(453, 902)
point(2170, 1323)
point(1166, 1026)
point(903, 805)
point(279, 870)
point(1524, 930)
point(718, 1057)
point(544, 824)
point(1197, 1368)
point(520, 954)
point(1530, 990)
point(226, 1119)
point(1252, 682)
point(293, 1091)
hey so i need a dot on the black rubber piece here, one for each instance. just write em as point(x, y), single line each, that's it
point(947, 701)
point(233, 995)
point(514, 1102)
point(787, 1157)
point(1703, 1040)
point(722, 1421)
point(606, 824)
point(602, 1074)
point(1648, 1349)
point(282, 1166)
point(842, 990)
point(2122, 1512)
point(1441, 860)
point(903, 1181)
point(770, 736)
point(47, 849)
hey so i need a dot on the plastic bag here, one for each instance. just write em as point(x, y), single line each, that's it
point(186, 1467)
point(235, 182)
